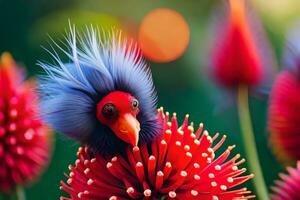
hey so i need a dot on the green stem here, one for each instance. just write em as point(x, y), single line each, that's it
point(20, 194)
point(249, 143)
point(17, 194)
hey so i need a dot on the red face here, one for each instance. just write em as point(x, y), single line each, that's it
point(118, 111)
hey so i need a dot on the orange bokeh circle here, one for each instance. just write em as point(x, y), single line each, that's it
point(163, 35)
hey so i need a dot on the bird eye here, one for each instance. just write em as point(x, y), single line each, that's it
point(109, 111)
point(134, 104)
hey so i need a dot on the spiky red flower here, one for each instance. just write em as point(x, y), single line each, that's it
point(235, 54)
point(284, 105)
point(284, 120)
point(180, 164)
point(24, 139)
point(288, 188)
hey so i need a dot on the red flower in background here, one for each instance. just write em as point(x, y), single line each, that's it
point(24, 139)
point(284, 120)
point(236, 58)
point(288, 188)
point(181, 164)
point(284, 105)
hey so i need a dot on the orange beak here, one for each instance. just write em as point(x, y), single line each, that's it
point(127, 128)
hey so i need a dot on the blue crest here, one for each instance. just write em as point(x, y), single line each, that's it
point(99, 63)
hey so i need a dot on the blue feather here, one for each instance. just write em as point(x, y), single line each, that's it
point(98, 64)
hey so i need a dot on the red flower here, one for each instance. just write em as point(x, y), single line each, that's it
point(288, 188)
point(284, 120)
point(24, 139)
point(235, 55)
point(284, 105)
point(181, 164)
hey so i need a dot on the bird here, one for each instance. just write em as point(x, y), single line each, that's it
point(103, 96)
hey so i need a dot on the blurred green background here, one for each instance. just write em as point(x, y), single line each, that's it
point(182, 85)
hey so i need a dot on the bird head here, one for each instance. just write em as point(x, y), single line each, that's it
point(103, 96)
point(118, 111)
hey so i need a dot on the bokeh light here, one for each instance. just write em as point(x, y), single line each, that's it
point(163, 35)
